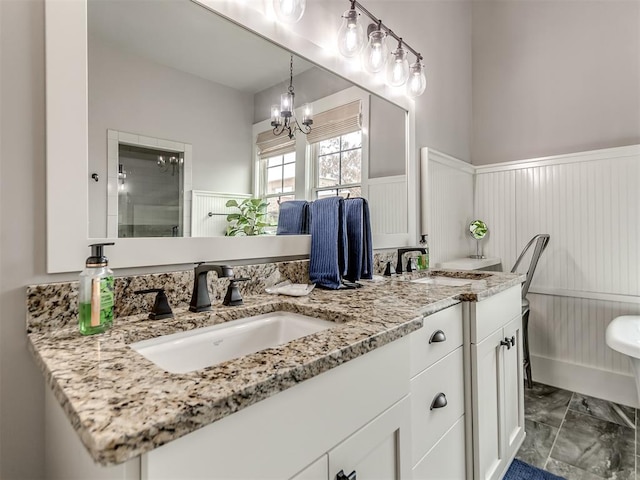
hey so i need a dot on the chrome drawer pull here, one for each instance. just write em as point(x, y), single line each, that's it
point(439, 401)
point(437, 337)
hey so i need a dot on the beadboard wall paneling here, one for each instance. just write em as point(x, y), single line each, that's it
point(573, 330)
point(592, 212)
point(495, 204)
point(448, 203)
point(589, 202)
point(215, 225)
point(388, 205)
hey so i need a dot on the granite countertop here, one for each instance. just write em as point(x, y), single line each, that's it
point(122, 405)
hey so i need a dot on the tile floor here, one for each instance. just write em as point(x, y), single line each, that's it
point(579, 437)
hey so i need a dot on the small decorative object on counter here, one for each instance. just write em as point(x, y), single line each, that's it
point(478, 230)
point(96, 293)
point(423, 260)
point(291, 289)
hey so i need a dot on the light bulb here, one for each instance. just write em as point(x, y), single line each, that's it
point(376, 52)
point(286, 104)
point(289, 11)
point(351, 37)
point(307, 114)
point(398, 68)
point(275, 115)
point(417, 82)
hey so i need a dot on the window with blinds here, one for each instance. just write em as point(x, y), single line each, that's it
point(337, 151)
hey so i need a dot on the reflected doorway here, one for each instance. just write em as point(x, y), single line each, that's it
point(150, 203)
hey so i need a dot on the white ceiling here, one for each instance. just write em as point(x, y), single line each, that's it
point(188, 37)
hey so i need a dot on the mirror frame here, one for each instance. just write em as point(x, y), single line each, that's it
point(67, 145)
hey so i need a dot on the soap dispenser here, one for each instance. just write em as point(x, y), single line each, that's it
point(423, 260)
point(96, 293)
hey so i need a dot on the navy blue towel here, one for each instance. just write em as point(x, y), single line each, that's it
point(327, 261)
point(293, 218)
point(360, 250)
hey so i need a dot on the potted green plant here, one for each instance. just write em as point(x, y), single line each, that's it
point(252, 219)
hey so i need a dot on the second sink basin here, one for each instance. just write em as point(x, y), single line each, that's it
point(203, 347)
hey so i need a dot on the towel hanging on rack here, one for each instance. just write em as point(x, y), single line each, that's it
point(328, 260)
point(293, 218)
point(360, 251)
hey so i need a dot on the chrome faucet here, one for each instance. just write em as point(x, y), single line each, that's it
point(402, 251)
point(200, 301)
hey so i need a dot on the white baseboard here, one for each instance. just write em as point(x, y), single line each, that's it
point(612, 386)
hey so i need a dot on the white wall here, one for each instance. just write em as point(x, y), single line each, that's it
point(553, 77)
point(131, 94)
point(440, 28)
point(22, 232)
point(441, 31)
point(387, 139)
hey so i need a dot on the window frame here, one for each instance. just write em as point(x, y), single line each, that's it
point(315, 168)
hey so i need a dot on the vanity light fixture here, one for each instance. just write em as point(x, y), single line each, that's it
point(417, 82)
point(351, 35)
point(398, 67)
point(375, 56)
point(376, 51)
point(283, 118)
point(289, 11)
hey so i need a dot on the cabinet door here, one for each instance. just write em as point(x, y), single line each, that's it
point(379, 450)
point(486, 358)
point(513, 412)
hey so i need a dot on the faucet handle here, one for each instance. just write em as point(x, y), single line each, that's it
point(389, 270)
point(233, 297)
point(161, 308)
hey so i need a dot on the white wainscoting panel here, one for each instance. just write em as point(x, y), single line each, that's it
point(387, 197)
point(573, 330)
point(204, 203)
point(592, 211)
point(589, 202)
point(495, 204)
point(448, 204)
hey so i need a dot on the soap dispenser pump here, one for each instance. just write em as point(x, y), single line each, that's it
point(96, 293)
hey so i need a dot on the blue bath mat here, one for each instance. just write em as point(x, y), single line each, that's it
point(523, 471)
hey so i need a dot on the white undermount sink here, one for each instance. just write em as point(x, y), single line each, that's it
point(203, 347)
point(446, 281)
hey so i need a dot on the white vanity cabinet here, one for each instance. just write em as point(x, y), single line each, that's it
point(496, 380)
point(354, 417)
point(437, 397)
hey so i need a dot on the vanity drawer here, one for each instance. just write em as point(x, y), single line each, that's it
point(429, 424)
point(446, 460)
point(494, 312)
point(427, 349)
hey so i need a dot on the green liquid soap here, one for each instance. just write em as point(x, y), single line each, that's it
point(84, 314)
